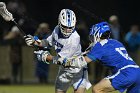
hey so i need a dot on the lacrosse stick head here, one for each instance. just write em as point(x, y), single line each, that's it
point(5, 13)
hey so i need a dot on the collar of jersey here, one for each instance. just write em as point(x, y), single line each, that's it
point(103, 42)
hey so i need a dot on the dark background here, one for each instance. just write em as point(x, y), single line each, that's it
point(39, 11)
point(48, 10)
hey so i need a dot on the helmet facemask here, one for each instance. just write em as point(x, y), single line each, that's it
point(94, 38)
point(66, 31)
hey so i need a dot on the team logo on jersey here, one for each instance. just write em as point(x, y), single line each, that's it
point(59, 46)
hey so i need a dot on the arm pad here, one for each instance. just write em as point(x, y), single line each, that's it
point(45, 43)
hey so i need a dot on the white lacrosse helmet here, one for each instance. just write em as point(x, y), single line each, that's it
point(66, 22)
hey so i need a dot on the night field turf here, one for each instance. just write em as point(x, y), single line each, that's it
point(31, 89)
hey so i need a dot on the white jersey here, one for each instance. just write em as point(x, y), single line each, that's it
point(65, 47)
point(68, 47)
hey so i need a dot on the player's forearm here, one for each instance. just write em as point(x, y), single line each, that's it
point(87, 59)
point(41, 43)
point(38, 43)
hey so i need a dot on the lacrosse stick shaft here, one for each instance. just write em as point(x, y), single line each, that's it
point(85, 11)
point(7, 16)
point(19, 27)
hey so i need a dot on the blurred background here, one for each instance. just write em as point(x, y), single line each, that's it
point(18, 65)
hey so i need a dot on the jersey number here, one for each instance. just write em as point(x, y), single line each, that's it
point(123, 52)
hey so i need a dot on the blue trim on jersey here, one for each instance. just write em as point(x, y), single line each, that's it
point(65, 60)
point(126, 78)
point(91, 57)
point(81, 79)
point(73, 31)
point(59, 46)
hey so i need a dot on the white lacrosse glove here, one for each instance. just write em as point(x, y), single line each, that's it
point(78, 61)
point(5, 13)
point(29, 39)
point(42, 55)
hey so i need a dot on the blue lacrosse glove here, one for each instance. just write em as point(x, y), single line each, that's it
point(42, 55)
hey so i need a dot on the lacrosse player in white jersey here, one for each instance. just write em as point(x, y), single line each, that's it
point(66, 41)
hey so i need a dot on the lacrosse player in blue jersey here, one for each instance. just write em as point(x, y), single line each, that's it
point(66, 42)
point(111, 53)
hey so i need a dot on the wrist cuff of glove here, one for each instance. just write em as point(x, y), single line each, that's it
point(44, 43)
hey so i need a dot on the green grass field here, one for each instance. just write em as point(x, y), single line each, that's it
point(31, 89)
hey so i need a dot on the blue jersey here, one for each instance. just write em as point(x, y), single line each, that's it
point(110, 53)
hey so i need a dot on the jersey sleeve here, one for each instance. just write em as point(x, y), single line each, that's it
point(50, 39)
point(95, 53)
point(72, 48)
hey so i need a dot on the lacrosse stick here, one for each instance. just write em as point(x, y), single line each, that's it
point(85, 52)
point(7, 16)
point(87, 12)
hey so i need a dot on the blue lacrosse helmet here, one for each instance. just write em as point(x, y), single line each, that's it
point(97, 30)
